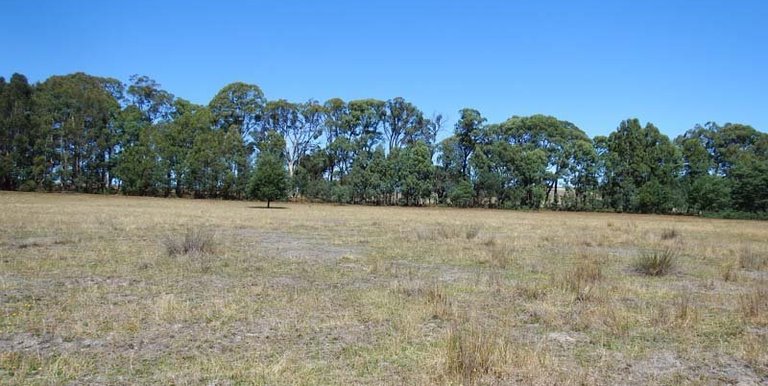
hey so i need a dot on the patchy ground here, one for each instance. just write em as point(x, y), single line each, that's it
point(89, 293)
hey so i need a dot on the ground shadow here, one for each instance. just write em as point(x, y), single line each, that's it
point(271, 207)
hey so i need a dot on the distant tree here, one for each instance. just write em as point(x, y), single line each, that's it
point(415, 172)
point(466, 132)
point(237, 111)
point(239, 106)
point(269, 181)
point(17, 134)
point(404, 123)
point(75, 117)
point(636, 156)
point(461, 194)
point(710, 193)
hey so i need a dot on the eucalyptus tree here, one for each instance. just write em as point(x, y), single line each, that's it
point(467, 130)
point(403, 124)
point(237, 111)
point(642, 169)
point(240, 106)
point(17, 134)
point(176, 140)
point(334, 124)
point(75, 113)
point(300, 124)
point(568, 148)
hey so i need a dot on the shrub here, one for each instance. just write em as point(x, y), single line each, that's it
point(193, 242)
point(656, 263)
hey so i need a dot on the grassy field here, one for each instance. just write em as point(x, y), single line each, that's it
point(116, 290)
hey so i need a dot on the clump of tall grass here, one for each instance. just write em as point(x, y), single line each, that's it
point(473, 352)
point(449, 231)
point(500, 255)
point(754, 303)
point(192, 242)
point(669, 234)
point(656, 262)
point(583, 276)
point(751, 259)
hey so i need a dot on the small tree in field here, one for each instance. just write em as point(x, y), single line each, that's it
point(269, 181)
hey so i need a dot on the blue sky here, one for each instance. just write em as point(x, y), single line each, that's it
point(594, 63)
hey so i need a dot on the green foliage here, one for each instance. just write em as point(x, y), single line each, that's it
point(269, 181)
point(710, 193)
point(90, 134)
point(462, 194)
point(656, 263)
point(641, 169)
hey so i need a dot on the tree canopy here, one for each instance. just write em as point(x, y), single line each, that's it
point(91, 134)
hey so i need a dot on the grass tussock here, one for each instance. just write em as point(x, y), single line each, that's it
point(193, 242)
point(754, 304)
point(473, 352)
point(751, 259)
point(439, 302)
point(471, 232)
point(449, 232)
point(669, 234)
point(656, 262)
point(686, 312)
point(500, 255)
point(583, 276)
point(729, 271)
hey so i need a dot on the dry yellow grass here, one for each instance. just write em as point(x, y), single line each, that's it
point(102, 289)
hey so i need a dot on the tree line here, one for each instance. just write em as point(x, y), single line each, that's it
point(89, 134)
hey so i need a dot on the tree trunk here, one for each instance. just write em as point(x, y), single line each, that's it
point(267, 204)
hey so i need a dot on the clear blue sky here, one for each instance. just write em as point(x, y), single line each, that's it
point(594, 63)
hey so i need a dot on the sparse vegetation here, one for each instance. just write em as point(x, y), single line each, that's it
point(500, 255)
point(473, 352)
point(754, 303)
point(192, 242)
point(317, 294)
point(752, 259)
point(669, 234)
point(728, 271)
point(583, 276)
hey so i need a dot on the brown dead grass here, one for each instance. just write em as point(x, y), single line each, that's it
point(322, 294)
